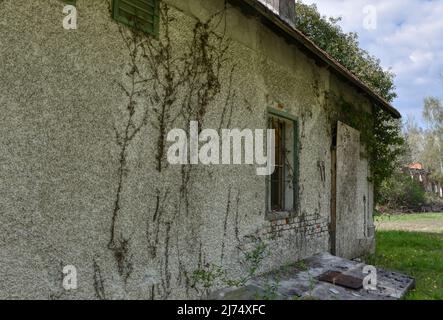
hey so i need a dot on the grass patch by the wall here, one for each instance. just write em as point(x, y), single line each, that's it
point(419, 255)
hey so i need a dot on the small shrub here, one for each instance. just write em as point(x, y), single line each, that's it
point(401, 191)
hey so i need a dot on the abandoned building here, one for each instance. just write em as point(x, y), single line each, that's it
point(85, 114)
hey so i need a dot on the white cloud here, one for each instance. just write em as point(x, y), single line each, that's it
point(421, 57)
point(408, 39)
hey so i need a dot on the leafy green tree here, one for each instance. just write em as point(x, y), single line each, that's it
point(430, 157)
point(415, 140)
point(426, 145)
point(344, 47)
point(400, 190)
point(387, 142)
point(433, 115)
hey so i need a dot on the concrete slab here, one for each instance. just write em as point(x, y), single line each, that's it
point(299, 281)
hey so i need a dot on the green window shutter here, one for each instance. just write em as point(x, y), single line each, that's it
point(142, 14)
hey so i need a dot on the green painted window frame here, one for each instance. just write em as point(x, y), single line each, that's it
point(271, 112)
point(154, 31)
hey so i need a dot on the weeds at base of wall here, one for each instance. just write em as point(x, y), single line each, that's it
point(212, 275)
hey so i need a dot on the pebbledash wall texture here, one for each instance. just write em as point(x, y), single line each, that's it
point(84, 178)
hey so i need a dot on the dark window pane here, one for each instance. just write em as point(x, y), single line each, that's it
point(277, 178)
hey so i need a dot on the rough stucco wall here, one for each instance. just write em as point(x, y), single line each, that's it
point(61, 102)
point(348, 164)
point(361, 222)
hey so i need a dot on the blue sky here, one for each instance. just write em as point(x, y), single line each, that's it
point(408, 39)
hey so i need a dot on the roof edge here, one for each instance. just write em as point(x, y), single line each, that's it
point(297, 35)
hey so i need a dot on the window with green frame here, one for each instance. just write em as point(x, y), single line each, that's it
point(282, 185)
point(141, 14)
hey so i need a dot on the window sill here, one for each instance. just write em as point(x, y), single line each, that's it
point(279, 215)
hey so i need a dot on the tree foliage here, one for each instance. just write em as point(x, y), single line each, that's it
point(414, 138)
point(426, 145)
point(387, 148)
point(400, 190)
point(345, 48)
point(387, 143)
point(433, 115)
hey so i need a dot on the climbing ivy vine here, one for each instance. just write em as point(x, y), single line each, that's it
point(168, 83)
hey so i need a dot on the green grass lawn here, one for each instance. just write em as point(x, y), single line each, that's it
point(410, 217)
point(425, 222)
point(417, 254)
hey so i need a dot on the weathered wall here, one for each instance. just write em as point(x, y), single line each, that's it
point(84, 180)
point(353, 196)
